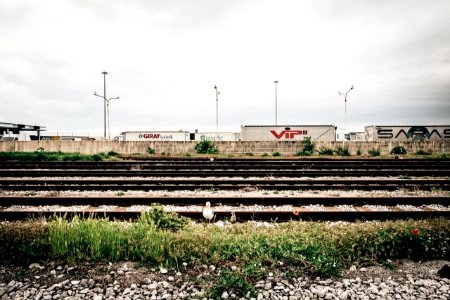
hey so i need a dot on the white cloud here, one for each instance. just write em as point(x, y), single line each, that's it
point(164, 58)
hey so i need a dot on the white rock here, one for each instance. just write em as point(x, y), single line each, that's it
point(163, 271)
point(170, 278)
point(224, 295)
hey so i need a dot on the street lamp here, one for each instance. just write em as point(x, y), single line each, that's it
point(345, 106)
point(217, 108)
point(107, 108)
point(105, 105)
point(276, 106)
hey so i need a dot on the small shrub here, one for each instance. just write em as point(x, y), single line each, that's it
point(120, 194)
point(112, 153)
point(151, 150)
point(276, 154)
point(398, 150)
point(342, 151)
point(374, 152)
point(206, 147)
point(325, 151)
point(97, 157)
point(249, 153)
point(358, 152)
point(422, 152)
point(308, 147)
point(163, 220)
point(265, 154)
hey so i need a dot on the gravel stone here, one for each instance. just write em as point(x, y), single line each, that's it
point(410, 281)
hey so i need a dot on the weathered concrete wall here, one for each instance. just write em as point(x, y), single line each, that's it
point(92, 147)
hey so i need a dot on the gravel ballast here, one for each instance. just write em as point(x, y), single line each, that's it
point(123, 281)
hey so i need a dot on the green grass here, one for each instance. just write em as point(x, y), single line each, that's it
point(159, 238)
point(41, 155)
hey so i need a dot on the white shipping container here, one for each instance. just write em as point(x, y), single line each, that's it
point(288, 132)
point(218, 136)
point(156, 136)
point(407, 133)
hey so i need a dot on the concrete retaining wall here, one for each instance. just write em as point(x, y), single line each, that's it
point(92, 147)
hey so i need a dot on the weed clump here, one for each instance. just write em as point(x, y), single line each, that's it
point(422, 152)
point(398, 150)
point(308, 147)
point(342, 151)
point(374, 152)
point(326, 151)
point(206, 147)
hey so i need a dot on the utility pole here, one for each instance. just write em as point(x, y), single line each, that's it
point(345, 106)
point(276, 105)
point(105, 105)
point(217, 108)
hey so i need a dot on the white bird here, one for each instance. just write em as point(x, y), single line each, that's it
point(208, 213)
point(233, 217)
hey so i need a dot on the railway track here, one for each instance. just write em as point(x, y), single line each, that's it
point(219, 184)
point(203, 174)
point(244, 208)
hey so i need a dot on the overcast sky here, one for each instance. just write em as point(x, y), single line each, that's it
point(163, 58)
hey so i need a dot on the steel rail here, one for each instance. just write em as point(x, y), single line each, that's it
point(225, 186)
point(216, 200)
point(222, 173)
point(440, 165)
point(181, 181)
point(242, 216)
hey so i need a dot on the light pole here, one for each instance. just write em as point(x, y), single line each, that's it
point(105, 104)
point(107, 108)
point(276, 105)
point(217, 108)
point(345, 106)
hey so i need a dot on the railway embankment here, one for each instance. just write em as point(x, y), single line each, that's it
point(230, 148)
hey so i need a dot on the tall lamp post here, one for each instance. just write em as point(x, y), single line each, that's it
point(217, 108)
point(105, 105)
point(276, 105)
point(345, 106)
point(107, 112)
